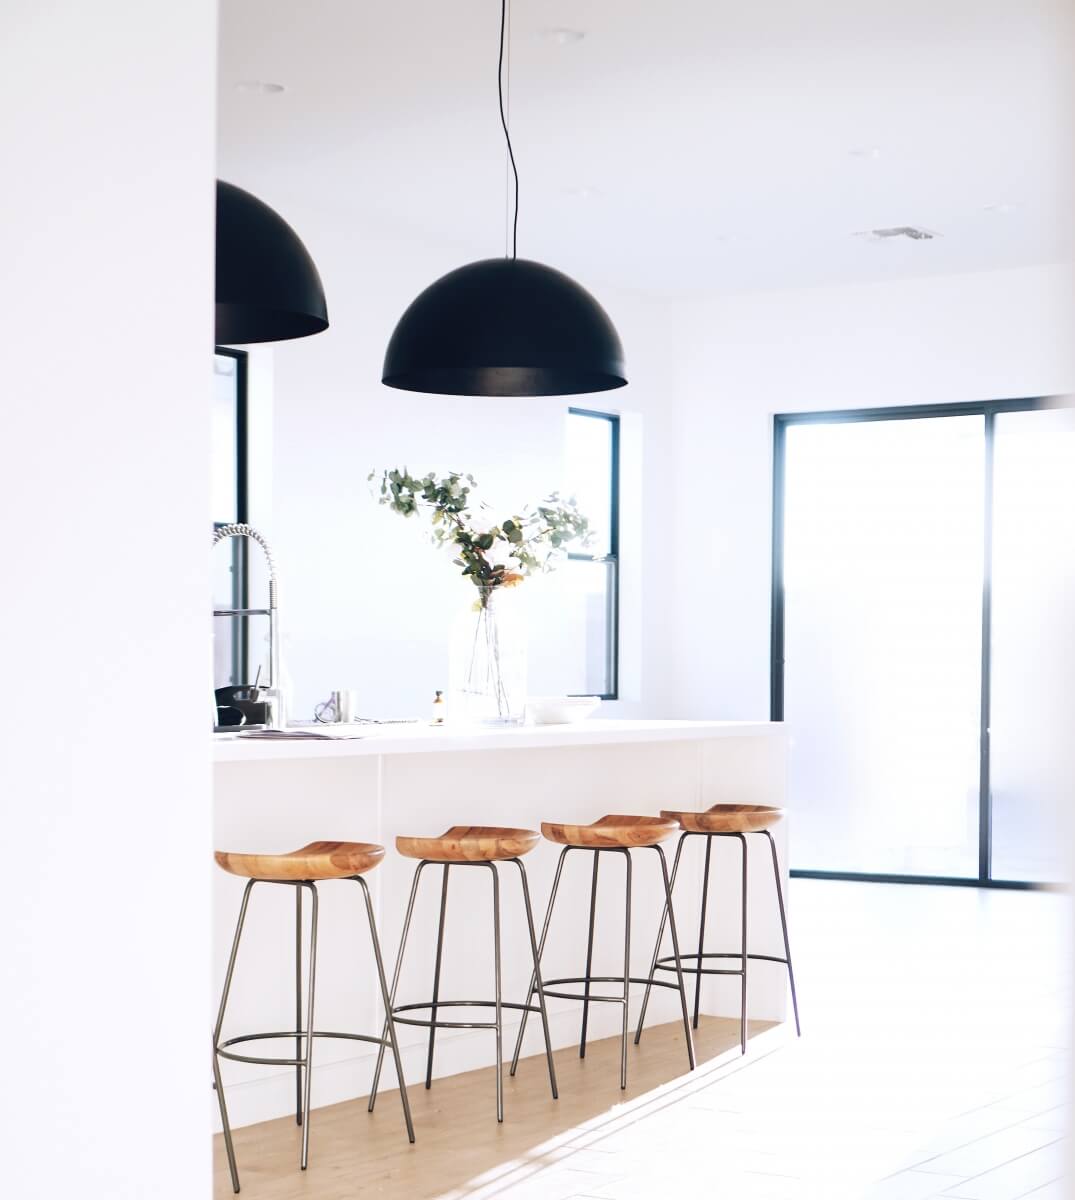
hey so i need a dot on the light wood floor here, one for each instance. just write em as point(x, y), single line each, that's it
point(933, 1064)
point(460, 1149)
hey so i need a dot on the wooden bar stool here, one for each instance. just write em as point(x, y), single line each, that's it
point(610, 835)
point(724, 821)
point(301, 869)
point(469, 846)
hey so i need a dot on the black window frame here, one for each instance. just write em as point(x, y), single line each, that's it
point(612, 558)
point(240, 546)
point(988, 410)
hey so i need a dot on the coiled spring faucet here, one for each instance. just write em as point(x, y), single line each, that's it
point(272, 693)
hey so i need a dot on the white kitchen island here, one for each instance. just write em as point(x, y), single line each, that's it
point(277, 795)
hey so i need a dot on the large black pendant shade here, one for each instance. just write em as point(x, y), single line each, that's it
point(504, 327)
point(267, 286)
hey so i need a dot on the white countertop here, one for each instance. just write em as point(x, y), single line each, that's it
point(424, 739)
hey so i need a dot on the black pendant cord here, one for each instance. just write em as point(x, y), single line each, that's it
point(504, 122)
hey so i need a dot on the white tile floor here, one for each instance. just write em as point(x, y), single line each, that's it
point(934, 1063)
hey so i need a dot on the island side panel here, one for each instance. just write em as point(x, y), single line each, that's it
point(280, 804)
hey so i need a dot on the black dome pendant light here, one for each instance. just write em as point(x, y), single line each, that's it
point(505, 326)
point(267, 286)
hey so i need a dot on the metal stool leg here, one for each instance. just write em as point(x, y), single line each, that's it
point(743, 993)
point(537, 980)
point(395, 985)
point(626, 966)
point(540, 952)
point(660, 934)
point(309, 1028)
point(298, 1001)
point(387, 1008)
point(675, 951)
point(784, 927)
point(216, 1033)
point(499, 1020)
point(218, 1087)
point(589, 956)
point(436, 976)
point(701, 931)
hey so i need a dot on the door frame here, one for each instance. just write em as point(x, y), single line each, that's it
point(988, 410)
point(240, 598)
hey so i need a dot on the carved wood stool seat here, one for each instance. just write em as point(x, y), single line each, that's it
point(470, 843)
point(611, 832)
point(727, 818)
point(318, 860)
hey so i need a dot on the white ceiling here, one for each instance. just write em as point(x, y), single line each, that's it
point(681, 147)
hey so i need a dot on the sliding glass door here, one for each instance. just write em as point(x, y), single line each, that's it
point(910, 561)
point(1033, 579)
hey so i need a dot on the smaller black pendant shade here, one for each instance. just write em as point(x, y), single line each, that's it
point(504, 327)
point(267, 286)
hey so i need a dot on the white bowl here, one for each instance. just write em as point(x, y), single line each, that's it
point(559, 710)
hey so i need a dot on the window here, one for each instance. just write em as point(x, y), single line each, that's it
point(593, 478)
point(919, 556)
point(588, 583)
point(229, 504)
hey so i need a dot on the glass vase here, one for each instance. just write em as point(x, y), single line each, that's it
point(488, 660)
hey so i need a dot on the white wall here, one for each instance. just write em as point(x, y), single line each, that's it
point(106, 224)
point(365, 601)
point(940, 340)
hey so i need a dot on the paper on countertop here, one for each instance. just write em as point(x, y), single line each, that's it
point(300, 734)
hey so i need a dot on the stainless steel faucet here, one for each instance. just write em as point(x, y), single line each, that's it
point(272, 694)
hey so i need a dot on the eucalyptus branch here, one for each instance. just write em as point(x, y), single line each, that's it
point(501, 555)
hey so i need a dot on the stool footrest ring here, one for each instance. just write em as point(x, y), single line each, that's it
point(431, 1024)
point(599, 979)
point(668, 963)
point(222, 1047)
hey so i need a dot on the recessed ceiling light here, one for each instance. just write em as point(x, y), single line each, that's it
point(259, 86)
point(564, 37)
point(1001, 209)
point(912, 233)
point(870, 152)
